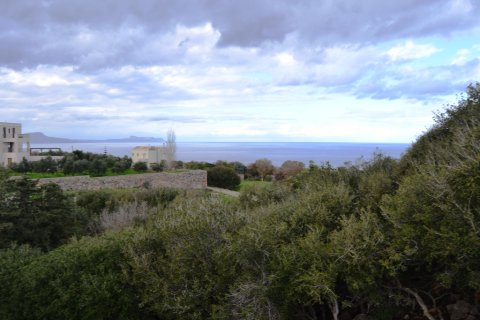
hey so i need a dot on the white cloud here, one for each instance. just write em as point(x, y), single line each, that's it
point(234, 69)
point(461, 7)
point(409, 50)
point(461, 57)
point(286, 60)
point(345, 65)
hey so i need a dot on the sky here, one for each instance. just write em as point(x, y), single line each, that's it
point(226, 70)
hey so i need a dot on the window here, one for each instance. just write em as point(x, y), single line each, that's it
point(13, 134)
point(4, 132)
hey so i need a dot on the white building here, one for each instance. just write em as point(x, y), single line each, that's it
point(14, 145)
point(148, 154)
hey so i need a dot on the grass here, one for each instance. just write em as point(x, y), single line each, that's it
point(225, 198)
point(38, 175)
point(252, 183)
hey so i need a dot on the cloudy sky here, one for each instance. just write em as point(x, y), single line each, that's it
point(227, 70)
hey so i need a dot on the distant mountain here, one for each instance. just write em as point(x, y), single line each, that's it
point(39, 138)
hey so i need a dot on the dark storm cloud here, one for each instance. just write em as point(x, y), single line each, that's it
point(98, 34)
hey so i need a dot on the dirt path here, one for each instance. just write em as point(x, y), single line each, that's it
point(225, 191)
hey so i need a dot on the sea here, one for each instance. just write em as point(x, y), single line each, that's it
point(335, 153)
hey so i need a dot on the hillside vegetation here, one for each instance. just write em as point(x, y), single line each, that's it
point(382, 239)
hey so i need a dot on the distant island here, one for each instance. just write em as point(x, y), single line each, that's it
point(39, 138)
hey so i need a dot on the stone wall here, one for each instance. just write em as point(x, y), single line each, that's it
point(193, 179)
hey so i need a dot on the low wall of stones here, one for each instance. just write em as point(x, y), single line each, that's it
point(194, 179)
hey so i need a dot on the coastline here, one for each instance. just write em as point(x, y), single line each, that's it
point(336, 153)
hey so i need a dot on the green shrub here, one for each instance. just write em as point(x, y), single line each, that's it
point(81, 166)
point(82, 280)
point(158, 167)
point(119, 167)
point(140, 166)
point(98, 168)
point(289, 169)
point(156, 197)
point(41, 216)
point(264, 194)
point(223, 177)
point(93, 202)
point(12, 261)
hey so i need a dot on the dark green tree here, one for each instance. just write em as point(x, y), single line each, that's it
point(140, 166)
point(45, 165)
point(119, 167)
point(85, 279)
point(98, 167)
point(42, 216)
point(223, 177)
point(81, 166)
point(23, 167)
point(158, 167)
point(68, 167)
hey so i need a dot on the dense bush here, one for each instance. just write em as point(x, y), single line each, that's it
point(264, 195)
point(46, 165)
point(261, 168)
point(140, 166)
point(222, 177)
point(94, 202)
point(77, 162)
point(195, 165)
point(289, 169)
point(98, 168)
point(158, 167)
point(42, 216)
point(82, 280)
point(23, 166)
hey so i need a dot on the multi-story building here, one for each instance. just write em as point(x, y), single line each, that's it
point(148, 154)
point(14, 145)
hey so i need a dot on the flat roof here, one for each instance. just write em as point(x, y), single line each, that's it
point(144, 148)
point(10, 123)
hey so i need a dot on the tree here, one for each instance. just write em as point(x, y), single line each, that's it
point(86, 279)
point(171, 148)
point(69, 166)
point(264, 167)
point(5, 214)
point(45, 165)
point(288, 169)
point(222, 177)
point(23, 167)
point(81, 166)
point(98, 167)
point(140, 166)
point(158, 167)
point(119, 167)
point(41, 216)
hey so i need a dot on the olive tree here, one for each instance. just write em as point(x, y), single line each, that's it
point(264, 167)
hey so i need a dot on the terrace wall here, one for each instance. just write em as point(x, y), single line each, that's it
point(193, 179)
